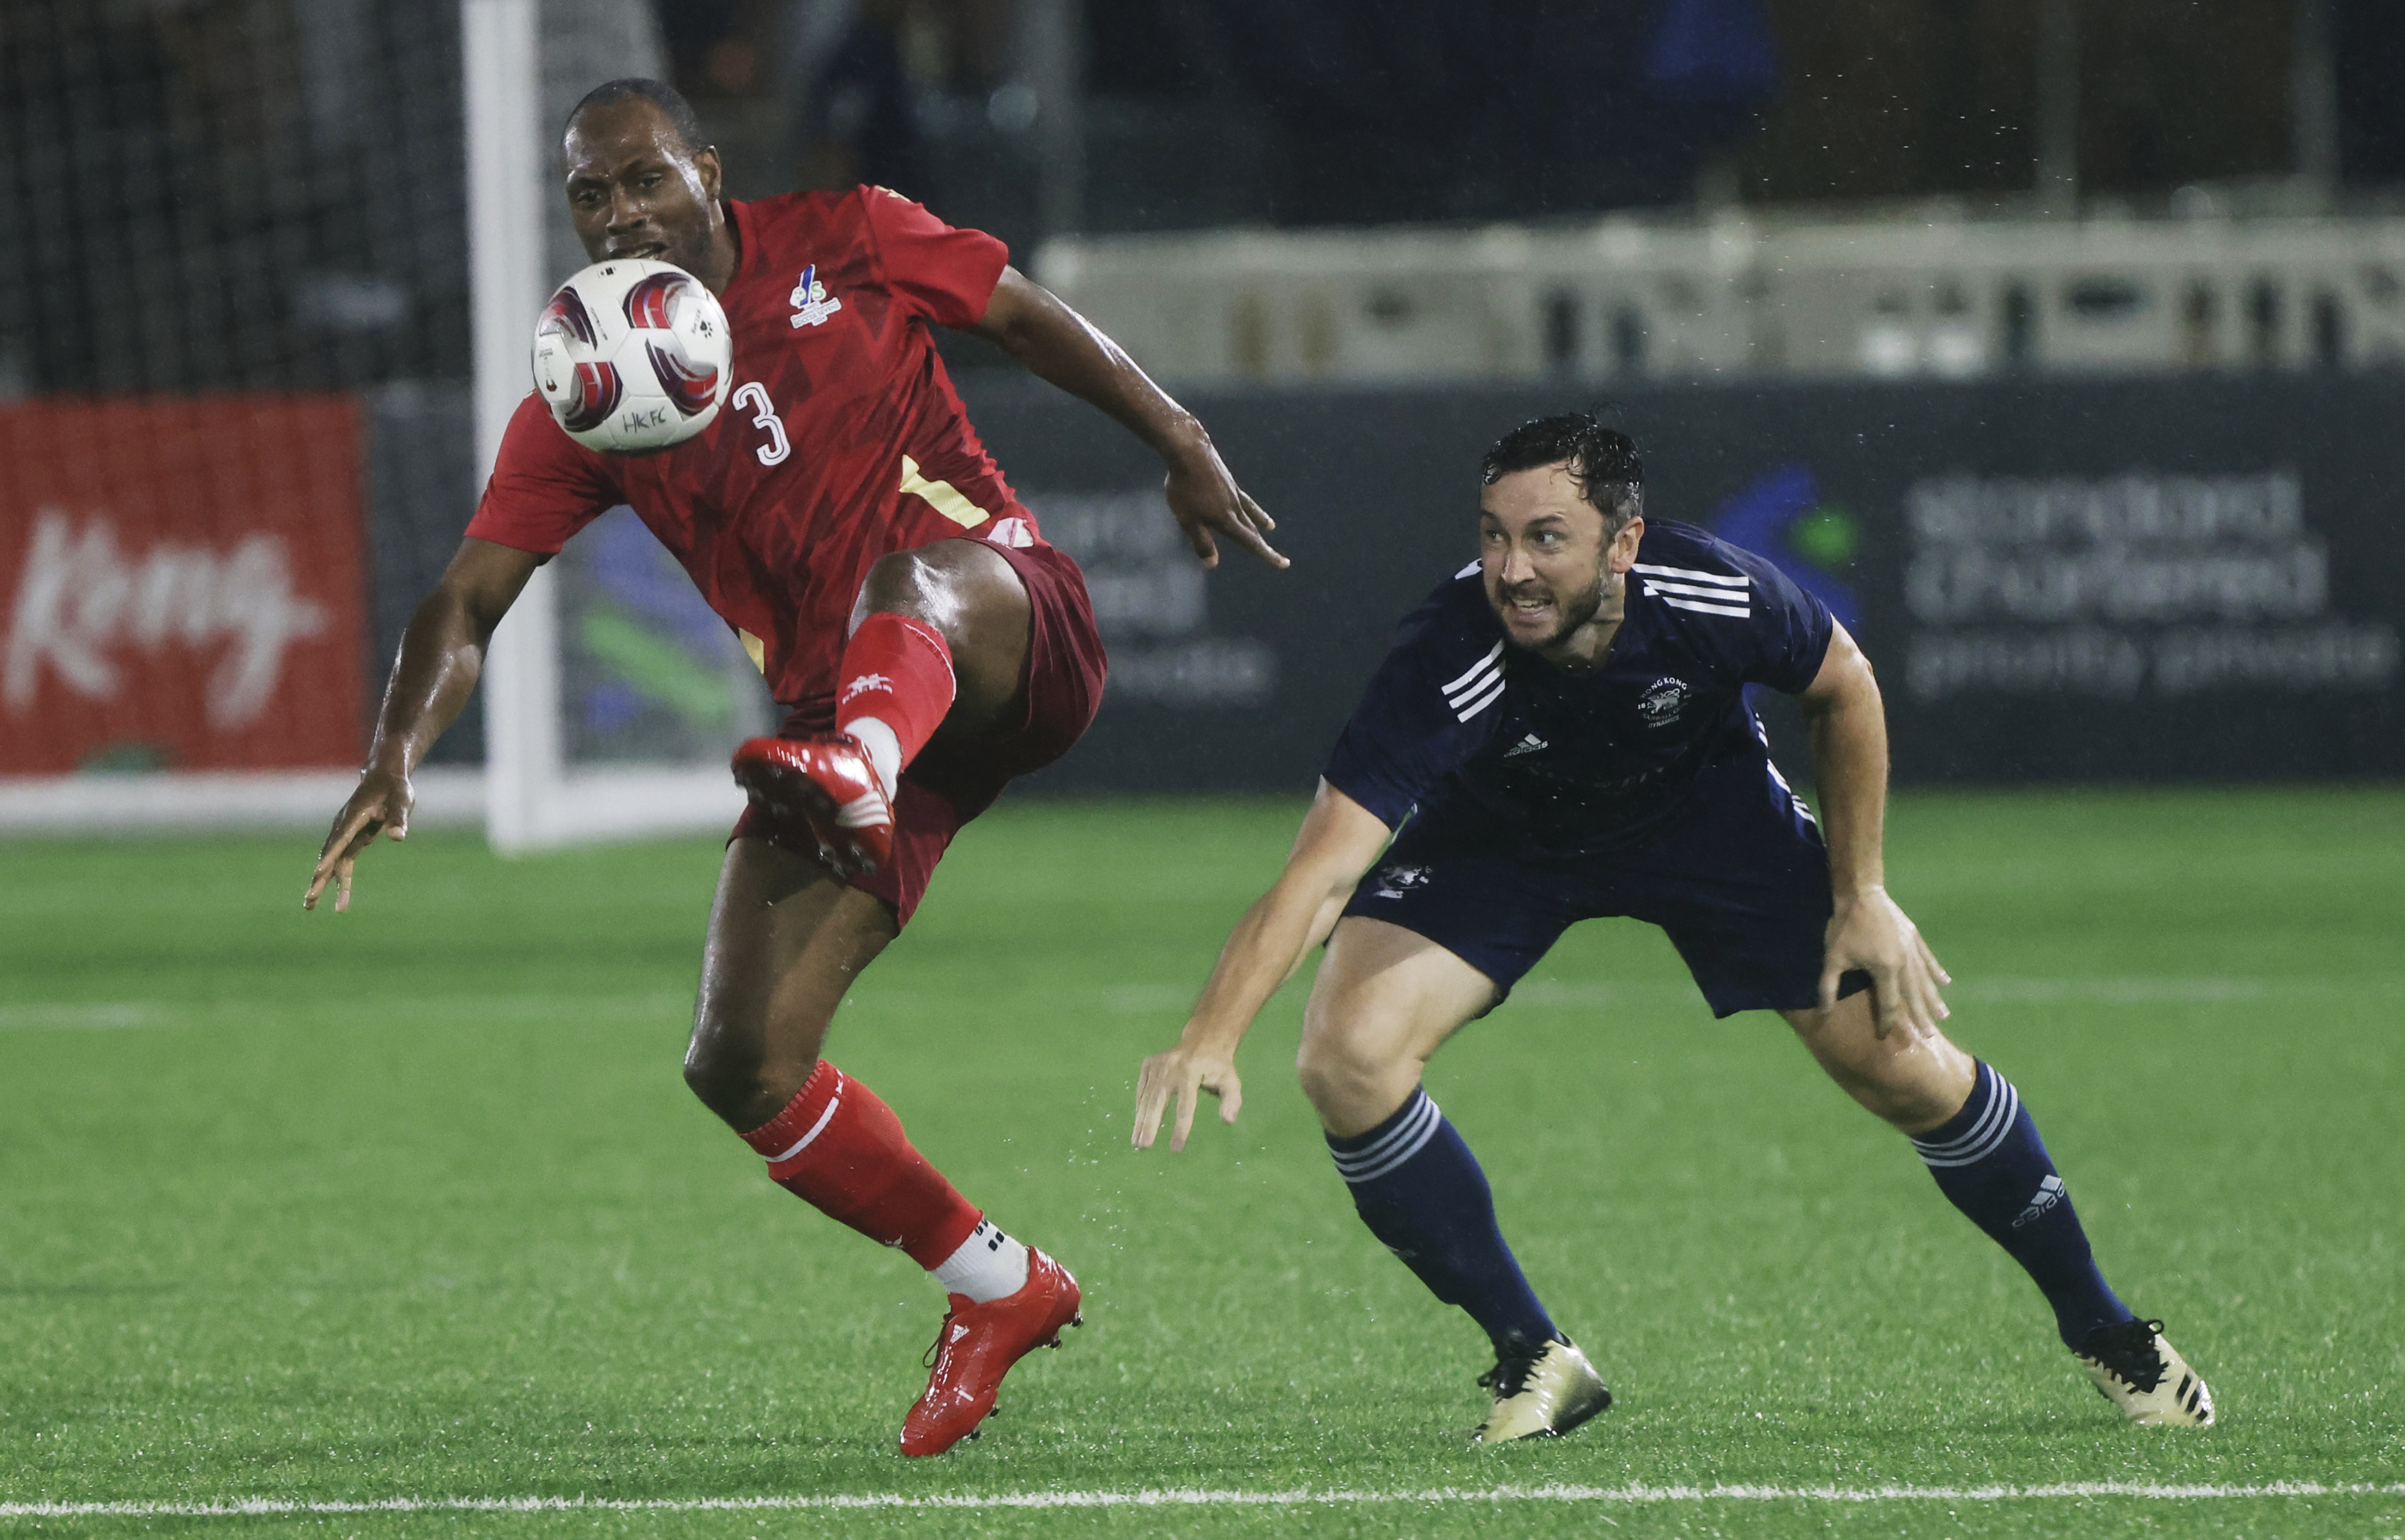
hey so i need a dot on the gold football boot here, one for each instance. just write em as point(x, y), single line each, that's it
point(2144, 1375)
point(1542, 1396)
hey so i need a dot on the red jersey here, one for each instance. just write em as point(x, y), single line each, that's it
point(841, 441)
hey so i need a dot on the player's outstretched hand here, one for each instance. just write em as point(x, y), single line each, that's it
point(1205, 501)
point(1186, 1073)
point(1871, 933)
point(382, 804)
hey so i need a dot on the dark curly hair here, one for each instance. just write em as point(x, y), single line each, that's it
point(1602, 461)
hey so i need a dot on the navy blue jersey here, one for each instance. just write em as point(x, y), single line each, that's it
point(1458, 718)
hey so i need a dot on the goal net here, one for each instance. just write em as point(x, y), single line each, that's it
point(612, 696)
point(283, 261)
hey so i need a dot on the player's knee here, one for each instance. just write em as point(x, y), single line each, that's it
point(723, 1081)
point(1911, 1085)
point(945, 584)
point(940, 585)
point(1339, 1070)
point(903, 582)
point(733, 1074)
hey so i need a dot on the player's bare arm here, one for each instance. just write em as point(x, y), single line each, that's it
point(1868, 930)
point(1062, 347)
point(1339, 841)
point(442, 654)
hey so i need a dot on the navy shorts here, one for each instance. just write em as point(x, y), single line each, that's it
point(1737, 878)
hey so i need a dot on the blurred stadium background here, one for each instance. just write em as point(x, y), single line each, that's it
point(2060, 345)
point(2057, 344)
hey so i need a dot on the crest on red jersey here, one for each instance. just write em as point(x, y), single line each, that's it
point(812, 305)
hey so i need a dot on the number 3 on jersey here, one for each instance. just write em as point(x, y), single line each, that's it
point(754, 397)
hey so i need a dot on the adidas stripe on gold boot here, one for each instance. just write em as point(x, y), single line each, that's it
point(2144, 1375)
point(1542, 1396)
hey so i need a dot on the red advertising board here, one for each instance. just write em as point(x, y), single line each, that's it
point(182, 583)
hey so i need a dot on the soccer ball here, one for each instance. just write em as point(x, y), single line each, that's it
point(633, 357)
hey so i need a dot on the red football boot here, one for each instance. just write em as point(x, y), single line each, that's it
point(976, 1347)
point(828, 783)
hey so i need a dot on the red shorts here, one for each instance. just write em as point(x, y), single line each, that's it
point(951, 782)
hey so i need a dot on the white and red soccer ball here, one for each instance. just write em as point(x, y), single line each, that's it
point(633, 356)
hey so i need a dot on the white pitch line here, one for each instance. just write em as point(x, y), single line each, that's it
point(75, 1015)
point(2003, 990)
point(96, 1016)
point(1197, 1497)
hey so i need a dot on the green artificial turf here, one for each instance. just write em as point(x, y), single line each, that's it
point(410, 1203)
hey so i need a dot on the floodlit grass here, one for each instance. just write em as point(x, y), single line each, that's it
point(410, 1202)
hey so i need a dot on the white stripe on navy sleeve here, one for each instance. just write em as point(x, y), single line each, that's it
point(1703, 593)
point(1478, 687)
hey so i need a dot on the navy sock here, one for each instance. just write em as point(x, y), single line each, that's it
point(1419, 1189)
point(1989, 1161)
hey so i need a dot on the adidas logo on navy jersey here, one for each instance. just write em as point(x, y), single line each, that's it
point(2050, 1192)
point(812, 305)
point(1706, 593)
point(1529, 745)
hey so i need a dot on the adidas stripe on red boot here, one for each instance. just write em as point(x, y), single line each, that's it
point(828, 783)
point(977, 1346)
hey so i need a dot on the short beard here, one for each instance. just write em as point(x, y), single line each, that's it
point(1576, 613)
point(691, 255)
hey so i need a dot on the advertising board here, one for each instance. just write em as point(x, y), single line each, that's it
point(183, 584)
point(2173, 580)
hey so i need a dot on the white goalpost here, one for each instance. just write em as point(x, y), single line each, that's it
point(537, 792)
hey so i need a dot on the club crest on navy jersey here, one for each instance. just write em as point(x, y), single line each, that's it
point(1395, 881)
point(812, 305)
point(1663, 701)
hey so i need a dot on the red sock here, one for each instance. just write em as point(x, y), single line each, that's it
point(897, 671)
point(841, 1150)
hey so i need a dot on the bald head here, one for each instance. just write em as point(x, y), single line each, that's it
point(684, 123)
